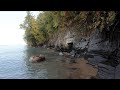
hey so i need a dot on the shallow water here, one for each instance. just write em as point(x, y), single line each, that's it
point(14, 63)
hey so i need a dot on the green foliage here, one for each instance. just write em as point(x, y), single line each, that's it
point(33, 36)
point(41, 30)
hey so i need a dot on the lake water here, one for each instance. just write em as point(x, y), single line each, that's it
point(14, 63)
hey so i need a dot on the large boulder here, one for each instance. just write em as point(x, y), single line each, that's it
point(97, 42)
point(37, 58)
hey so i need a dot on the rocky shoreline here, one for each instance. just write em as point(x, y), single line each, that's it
point(103, 64)
point(106, 69)
point(101, 49)
point(98, 51)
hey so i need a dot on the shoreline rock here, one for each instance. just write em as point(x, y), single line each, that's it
point(37, 58)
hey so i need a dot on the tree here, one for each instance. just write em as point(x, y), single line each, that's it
point(27, 26)
point(49, 23)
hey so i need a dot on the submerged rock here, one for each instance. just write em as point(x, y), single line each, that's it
point(37, 58)
point(67, 55)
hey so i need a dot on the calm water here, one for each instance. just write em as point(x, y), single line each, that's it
point(14, 63)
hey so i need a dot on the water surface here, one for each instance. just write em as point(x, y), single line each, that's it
point(14, 63)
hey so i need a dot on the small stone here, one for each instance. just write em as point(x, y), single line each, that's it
point(61, 54)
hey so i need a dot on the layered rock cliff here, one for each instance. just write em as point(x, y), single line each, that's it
point(100, 48)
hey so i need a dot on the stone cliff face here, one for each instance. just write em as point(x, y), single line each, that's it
point(103, 51)
point(101, 48)
point(65, 37)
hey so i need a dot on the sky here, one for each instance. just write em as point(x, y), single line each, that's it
point(10, 32)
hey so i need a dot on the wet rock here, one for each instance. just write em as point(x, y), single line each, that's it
point(107, 67)
point(61, 54)
point(94, 39)
point(103, 75)
point(67, 55)
point(118, 54)
point(111, 62)
point(37, 58)
point(87, 55)
point(98, 43)
point(72, 61)
point(106, 71)
point(72, 53)
point(82, 44)
point(96, 60)
point(117, 72)
point(93, 77)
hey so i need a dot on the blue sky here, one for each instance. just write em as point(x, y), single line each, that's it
point(10, 32)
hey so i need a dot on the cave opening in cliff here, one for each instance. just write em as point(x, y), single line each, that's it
point(70, 45)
